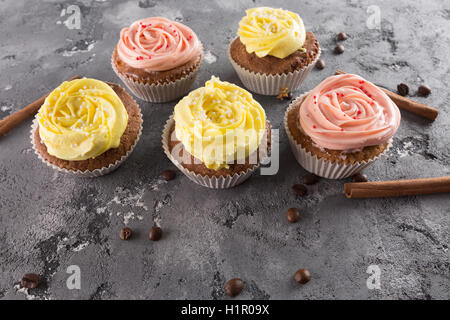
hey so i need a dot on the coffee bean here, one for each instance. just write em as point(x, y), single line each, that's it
point(234, 287)
point(302, 276)
point(403, 89)
point(155, 234)
point(320, 64)
point(299, 190)
point(310, 179)
point(125, 233)
point(424, 90)
point(168, 175)
point(339, 49)
point(293, 215)
point(359, 177)
point(30, 280)
point(342, 36)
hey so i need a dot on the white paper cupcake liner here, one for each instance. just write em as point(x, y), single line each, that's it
point(320, 166)
point(271, 85)
point(222, 182)
point(87, 173)
point(159, 93)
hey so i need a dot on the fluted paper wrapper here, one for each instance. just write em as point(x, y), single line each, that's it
point(159, 93)
point(323, 167)
point(271, 85)
point(87, 173)
point(223, 182)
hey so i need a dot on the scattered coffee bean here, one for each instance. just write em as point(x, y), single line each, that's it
point(299, 190)
point(359, 177)
point(293, 215)
point(342, 36)
point(424, 90)
point(320, 64)
point(155, 234)
point(30, 280)
point(168, 175)
point(234, 287)
point(125, 233)
point(310, 179)
point(302, 276)
point(339, 49)
point(403, 89)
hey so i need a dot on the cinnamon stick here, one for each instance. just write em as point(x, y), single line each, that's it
point(408, 104)
point(13, 120)
point(397, 188)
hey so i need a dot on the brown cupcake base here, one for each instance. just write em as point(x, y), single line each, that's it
point(159, 92)
point(200, 168)
point(272, 83)
point(107, 161)
point(273, 65)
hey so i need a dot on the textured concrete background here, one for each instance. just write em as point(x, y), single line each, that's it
point(49, 221)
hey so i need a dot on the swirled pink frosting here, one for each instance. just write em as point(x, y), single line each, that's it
point(346, 112)
point(157, 44)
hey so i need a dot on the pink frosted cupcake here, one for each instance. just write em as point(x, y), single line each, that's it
point(341, 126)
point(158, 59)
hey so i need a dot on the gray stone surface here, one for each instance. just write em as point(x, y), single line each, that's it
point(49, 221)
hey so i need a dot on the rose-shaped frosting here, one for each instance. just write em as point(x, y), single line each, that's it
point(81, 119)
point(267, 31)
point(157, 44)
point(346, 112)
point(219, 123)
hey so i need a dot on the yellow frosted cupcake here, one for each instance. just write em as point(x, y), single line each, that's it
point(86, 127)
point(273, 51)
point(217, 135)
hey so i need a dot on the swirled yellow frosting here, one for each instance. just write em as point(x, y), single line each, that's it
point(81, 119)
point(219, 123)
point(268, 31)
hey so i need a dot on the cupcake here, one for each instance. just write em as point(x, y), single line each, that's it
point(341, 126)
point(218, 135)
point(273, 52)
point(157, 59)
point(86, 127)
